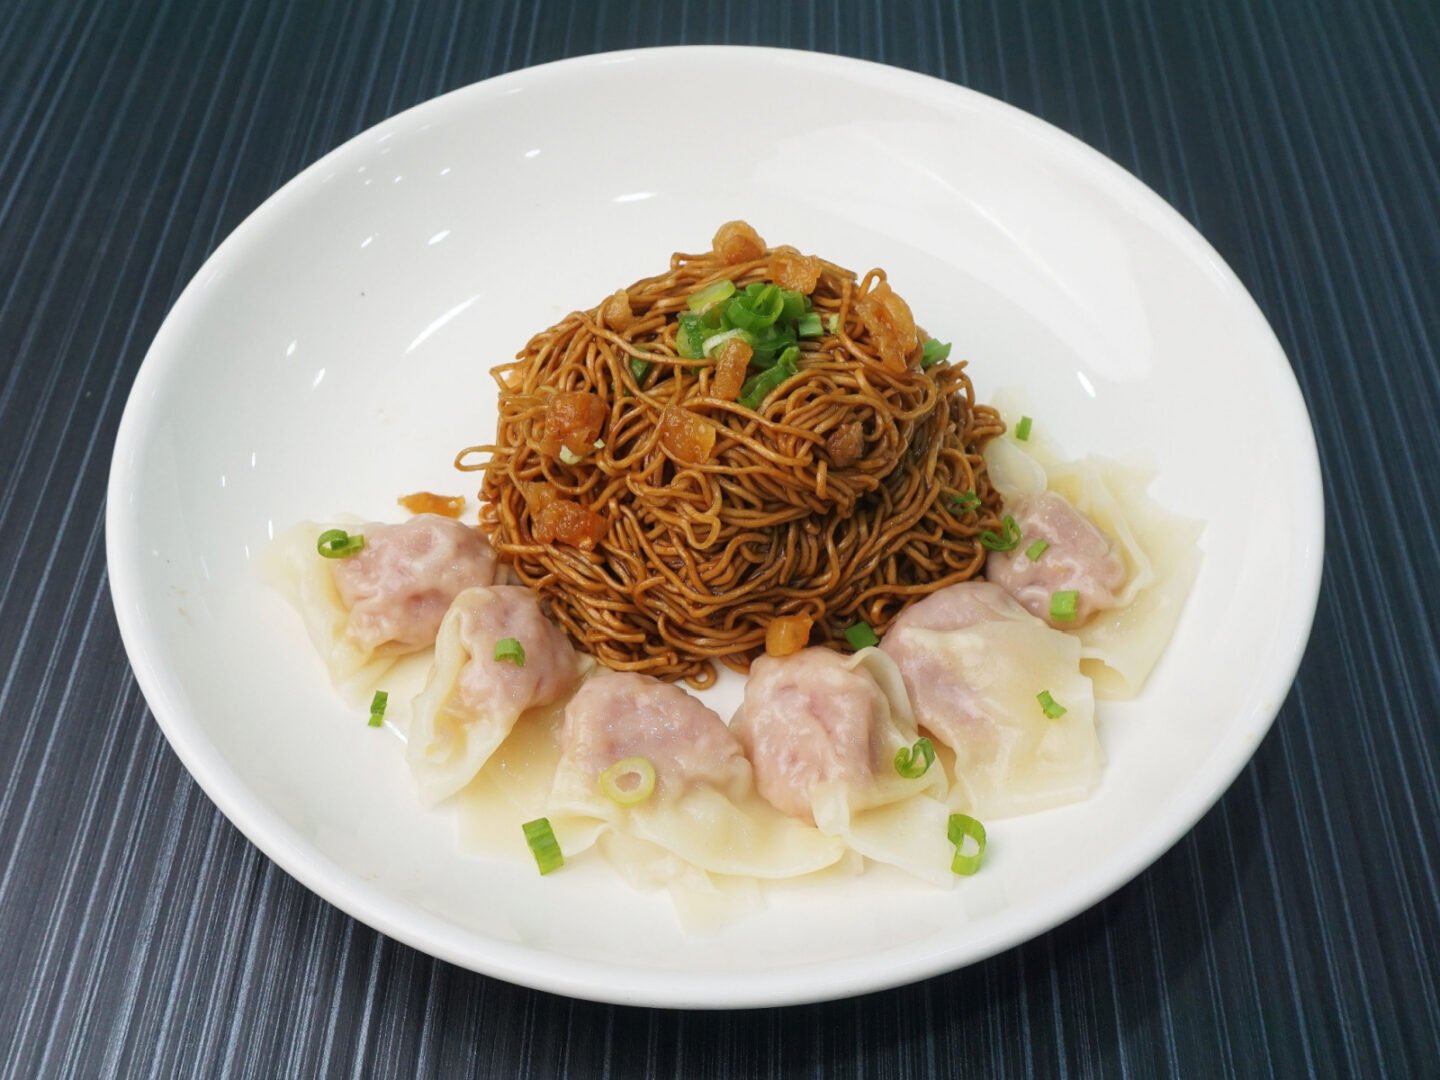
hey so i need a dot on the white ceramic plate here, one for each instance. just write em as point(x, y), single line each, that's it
point(333, 354)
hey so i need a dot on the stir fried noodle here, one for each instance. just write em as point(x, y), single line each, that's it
point(675, 469)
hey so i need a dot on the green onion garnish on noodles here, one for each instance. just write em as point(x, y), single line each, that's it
point(509, 649)
point(1062, 605)
point(710, 295)
point(568, 456)
point(690, 335)
point(861, 635)
point(964, 502)
point(540, 838)
point(629, 781)
point(1006, 541)
point(793, 304)
point(338, 544)
point(912, 762)
point(1035, 550)
point(758, 310)
point(1022, 429)
point(377, 708)
point(758, 387)
point(639, 367)
point(712, 343)
point(1052, 708)
point(809, 325)
point(832, 322)
point(964, 827)
point(934, 352)
point(771, 345)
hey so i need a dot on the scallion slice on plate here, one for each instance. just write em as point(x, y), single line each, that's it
point(540, 838)
point(377, 708)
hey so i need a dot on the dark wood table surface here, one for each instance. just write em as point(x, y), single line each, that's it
point(1292, 933)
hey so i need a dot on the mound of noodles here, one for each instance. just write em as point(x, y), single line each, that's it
point(665, 525)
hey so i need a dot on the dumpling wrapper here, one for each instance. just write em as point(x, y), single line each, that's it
point(704, 810)
point(471, 701)
point(821, 731)
point(1120, 645)
point(974, 662)
point(365, 611)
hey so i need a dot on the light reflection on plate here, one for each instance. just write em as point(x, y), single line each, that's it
point(333, 354)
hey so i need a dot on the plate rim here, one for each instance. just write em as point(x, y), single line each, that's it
point(587, 979)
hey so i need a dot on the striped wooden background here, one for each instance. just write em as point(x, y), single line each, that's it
point(1295, 932)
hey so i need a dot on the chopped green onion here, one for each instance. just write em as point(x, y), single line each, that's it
point(338, 544)
point(540, 838)
point(793, 304)
point(639, 367)
point(710, 295)
point(964, 502)
point(1035, 550)
point(758, 311)
point(599, 444)
point(832, 322)
point(1062, 605)
point(861, 635)
point(808, 325)
point(510, 649)
point(771, 344)
point(1052, 708)
point(568, 456)
point(964, 827)
point(690, 335)
point(758, 387)
point(934, 352)
point(377, 708)
point(908, 760)
point(712, 344)
point(1006, 540)
point(1022, 429)
point(636, 772)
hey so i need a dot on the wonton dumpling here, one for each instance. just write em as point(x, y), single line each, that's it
point(1159, 550)
point(821, 731)
point(813, 717)
point(386, 600)
point(974, 662)
point(704, 810)
point(398, 587)
point(1079, 557)
point(471, 701)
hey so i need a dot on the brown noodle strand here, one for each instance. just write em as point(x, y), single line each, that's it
point(698, 559)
